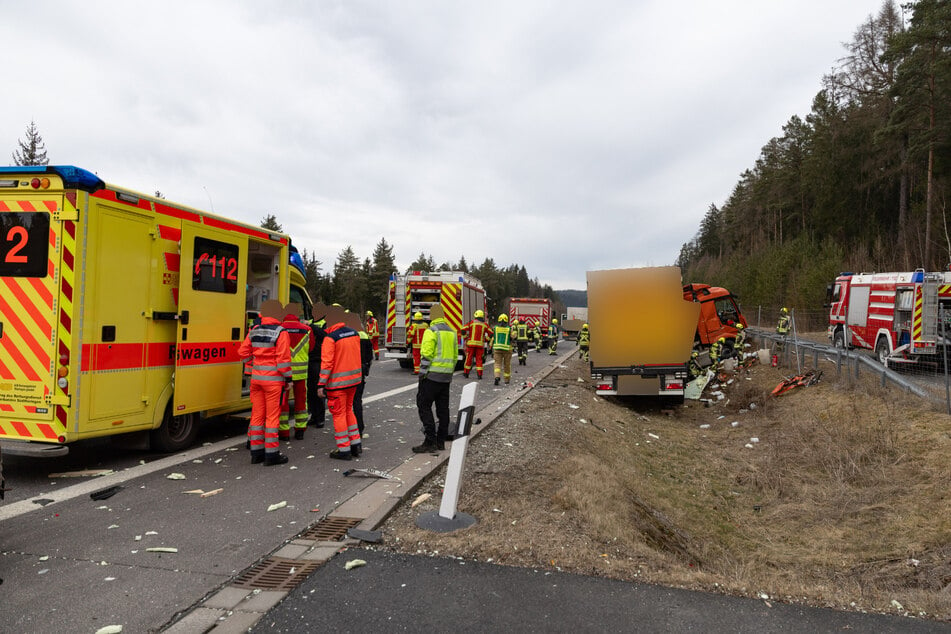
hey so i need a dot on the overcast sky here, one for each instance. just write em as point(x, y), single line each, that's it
point(562, 136)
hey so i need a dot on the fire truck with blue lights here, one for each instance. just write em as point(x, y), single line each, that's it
point(123, 312)
point(894, 314)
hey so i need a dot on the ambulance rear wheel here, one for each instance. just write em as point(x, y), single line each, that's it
point(176, 433)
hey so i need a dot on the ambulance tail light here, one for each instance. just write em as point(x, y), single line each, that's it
point(40, 183)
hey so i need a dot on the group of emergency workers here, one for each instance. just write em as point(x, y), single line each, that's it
point(298, 369)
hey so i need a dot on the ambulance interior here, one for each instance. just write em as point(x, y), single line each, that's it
point(262, 284)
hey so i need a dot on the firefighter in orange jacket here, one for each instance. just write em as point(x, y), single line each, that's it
point(301, 345)
point(341, 371)
point(414, 338)
point(373, 332)
point(475, 333)
point(267, 346)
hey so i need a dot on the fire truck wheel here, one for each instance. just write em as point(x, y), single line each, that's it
point(881, 351)
point(176, 432)
point(838, 340)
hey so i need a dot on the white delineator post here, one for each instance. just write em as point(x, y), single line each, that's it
point(448, 519)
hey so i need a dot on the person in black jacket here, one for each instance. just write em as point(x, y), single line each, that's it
point(366, 359)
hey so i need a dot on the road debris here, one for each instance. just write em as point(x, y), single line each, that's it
point(104, 494)
point(176, 476)
point(419, 500)
point(277, 506)
point(373, 473)
point(354, 563)
point(161, 549)
point(110, 629)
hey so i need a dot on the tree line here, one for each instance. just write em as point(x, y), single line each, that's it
point(861, 183)
point(361, 285)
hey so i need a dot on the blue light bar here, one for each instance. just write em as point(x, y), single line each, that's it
point(297, 261)
point(918, 276)
point(73, 177)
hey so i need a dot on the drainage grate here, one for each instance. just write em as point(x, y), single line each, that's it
point(276, 573)
point(330, 529)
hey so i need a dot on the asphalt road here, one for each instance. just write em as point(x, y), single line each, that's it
point(70, 563)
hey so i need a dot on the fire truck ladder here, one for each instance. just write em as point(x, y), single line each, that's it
point(399, 328)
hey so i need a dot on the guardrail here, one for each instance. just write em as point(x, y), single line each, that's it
point(850, 361)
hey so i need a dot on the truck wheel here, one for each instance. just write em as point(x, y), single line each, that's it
point(176, 432)
point(838, 340)
point(881, 351)
point(406, 364)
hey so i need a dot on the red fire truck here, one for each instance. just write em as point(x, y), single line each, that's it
point(894, 314)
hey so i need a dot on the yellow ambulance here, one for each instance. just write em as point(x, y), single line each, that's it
point(123, 312)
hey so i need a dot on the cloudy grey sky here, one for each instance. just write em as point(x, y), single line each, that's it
point(564, 136)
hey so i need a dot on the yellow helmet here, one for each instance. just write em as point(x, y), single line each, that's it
point(418, 315)
point(369, 313)
point(785, 310)
point(584, 326)
point(554, 321)
point(504, 318)
point(721, 340)
point(740, 326)
point(478, 314)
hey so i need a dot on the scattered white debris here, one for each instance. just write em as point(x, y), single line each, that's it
point(721, 417)
point(176, 476)
point(45, 558)
point(207, 494)
point(293, 467)
point(111, 526)
point(763, 595)
point(897, 605)
point(580, 380)
point(197, 461)
point(748, 446)
point(752, 405)
point(277, 506)
point(161, 549)
point(913, 562)
point(654, 436)
point(754, 439)
point(496, 510)
point(109, 579)
point(109, 629)
point(43, 572)
point(354, 563)
point(137, 538)
point(582, 421)
point(705, 426)
point(573, 406)
point(419, 500)
point(735, 423)
point(151, 533)
point(82, 474)
point(218, 460)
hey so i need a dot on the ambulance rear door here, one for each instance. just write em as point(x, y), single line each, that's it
point(30, 263)
point(211, 305)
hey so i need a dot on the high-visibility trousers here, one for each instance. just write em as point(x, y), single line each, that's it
point(503, 364)
point(299, 413)
point(417, 359)
point(346, 429)
point(476, 353)
point(265, 415)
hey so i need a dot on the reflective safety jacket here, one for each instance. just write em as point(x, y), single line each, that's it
point(267, 346)
point(584, 338)
point(476, 333)
point(502, 339)
point(521, 332)
point(366, 352)
point(439, 352)
point(301, 344)
point(373, 328)
point(414, 335)
point(340, 365)
point(782, 327)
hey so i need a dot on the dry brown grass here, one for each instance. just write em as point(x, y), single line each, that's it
point(843, 501)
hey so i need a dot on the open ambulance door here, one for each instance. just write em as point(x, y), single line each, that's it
point(211, 308)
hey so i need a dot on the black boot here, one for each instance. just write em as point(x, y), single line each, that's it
point(496, 380)
point(428, 446)
point(356, 449)
point(274, 458)
point(257, 456)
point(336, 454)
point(299, 433)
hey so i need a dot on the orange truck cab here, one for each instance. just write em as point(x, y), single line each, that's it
point(719, 313)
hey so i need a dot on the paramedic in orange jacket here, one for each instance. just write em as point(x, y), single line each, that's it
point(373, 332)
point(341, 371)
point(475, 333)
point(414, 338)
point(267, 346)
point(301, 344)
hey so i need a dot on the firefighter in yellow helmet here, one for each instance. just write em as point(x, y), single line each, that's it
point(782, 328)
point(372, 328)
point(693, 366)
point(553, 336)
point(414, 338)
point(502, 349)
point(520, 339)
point(740, 341)
point(584, 341)
point(717, 350)
point(475, 334)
